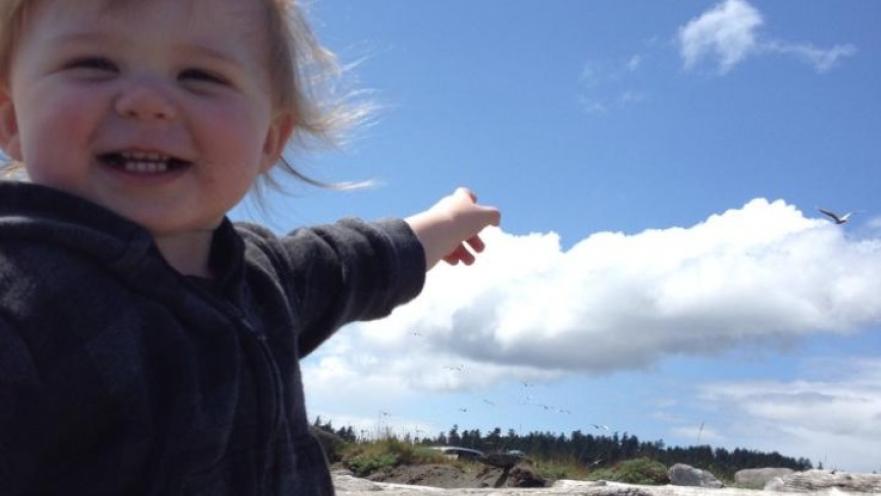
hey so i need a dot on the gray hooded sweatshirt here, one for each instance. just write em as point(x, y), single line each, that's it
point(119, 375)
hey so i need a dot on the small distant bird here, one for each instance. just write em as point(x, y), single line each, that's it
point(838, 219)
point(600, 426)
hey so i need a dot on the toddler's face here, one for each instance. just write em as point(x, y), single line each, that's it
point(157, 109)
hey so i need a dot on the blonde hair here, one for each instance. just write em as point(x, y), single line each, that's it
point(302, 76)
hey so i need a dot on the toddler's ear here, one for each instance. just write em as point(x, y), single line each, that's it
point(277, 137)
point(9, 137)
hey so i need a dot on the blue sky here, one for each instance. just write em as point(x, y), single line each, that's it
point(661, 264)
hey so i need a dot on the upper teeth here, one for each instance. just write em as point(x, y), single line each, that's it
point(152, 156)
point(146, 166)
point(138, 161)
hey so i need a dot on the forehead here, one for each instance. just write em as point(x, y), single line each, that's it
point(234, 24)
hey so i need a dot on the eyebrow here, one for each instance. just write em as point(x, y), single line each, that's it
point(84, 37)
point(199, 49)
point(209, 52)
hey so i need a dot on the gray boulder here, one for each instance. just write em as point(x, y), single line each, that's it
point(501, 460)
point(686, 475)
point(756, 478)
point(821, 480)
point(523, 475)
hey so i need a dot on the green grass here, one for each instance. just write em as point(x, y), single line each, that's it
point(637, 471)
point(560, 469)
point(366, 458)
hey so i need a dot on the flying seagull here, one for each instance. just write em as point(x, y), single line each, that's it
point(838, 219)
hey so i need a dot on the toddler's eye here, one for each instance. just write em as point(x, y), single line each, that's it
point(92, 63)
point(200, 75)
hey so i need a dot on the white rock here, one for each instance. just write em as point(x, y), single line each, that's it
point(757, 478)
point(347, 485)
point(821, 480)
point(686, 475)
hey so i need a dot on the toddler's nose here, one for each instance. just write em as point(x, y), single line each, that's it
point(145, 102)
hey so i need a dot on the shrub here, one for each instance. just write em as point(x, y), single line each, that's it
point(560, 469)
point(365, 464)
point(367, 458)
point(637, 471)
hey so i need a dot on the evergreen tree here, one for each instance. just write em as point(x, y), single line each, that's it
point(602, 451)
point(453, 438)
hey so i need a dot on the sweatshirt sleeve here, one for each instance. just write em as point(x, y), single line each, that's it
point(348, 271)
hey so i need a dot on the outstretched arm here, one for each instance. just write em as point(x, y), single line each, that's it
point(452, 223)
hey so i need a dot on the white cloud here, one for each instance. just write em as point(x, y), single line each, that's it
point(601, 86)
point(821, 59)
point(592, 105)
point(758, 275)
point(820, 418)
point(874, 223)
point(382, 425)
point(631, 97)
point(728, 34)
point(727, 31)
point(633, 63)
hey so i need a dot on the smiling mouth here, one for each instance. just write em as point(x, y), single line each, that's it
point(138, 162)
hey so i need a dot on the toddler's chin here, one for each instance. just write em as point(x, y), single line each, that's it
point(161, 221)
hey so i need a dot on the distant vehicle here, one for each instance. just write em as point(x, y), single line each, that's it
point(502, 459)
point(459, 453)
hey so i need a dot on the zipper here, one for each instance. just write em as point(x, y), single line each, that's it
point(266, 368)
point(268, 371)
point(273, 372)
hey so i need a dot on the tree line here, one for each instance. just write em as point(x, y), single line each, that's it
point(597, 450)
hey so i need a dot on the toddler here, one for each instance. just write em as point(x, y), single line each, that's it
point(147, 344)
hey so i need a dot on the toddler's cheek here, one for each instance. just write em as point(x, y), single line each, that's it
point(54, 177)
point(233, 132)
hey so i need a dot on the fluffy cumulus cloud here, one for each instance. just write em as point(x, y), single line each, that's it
point(727, 31)
point(758, 275)
point(822, 418)
point(728, 34)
